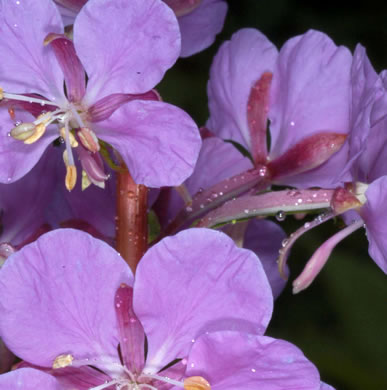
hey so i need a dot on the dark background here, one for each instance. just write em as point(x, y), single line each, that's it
point(340, 322)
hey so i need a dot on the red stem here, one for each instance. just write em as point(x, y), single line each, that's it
point(131, 221)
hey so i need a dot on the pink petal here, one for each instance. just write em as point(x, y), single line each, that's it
point(56, 298)
point(159, 142)
point(28, 379)
point(233, 360)
point(310, 90)
point(17, 158)
point(238, 64)
point(27, 65)
point(72, 69)
point(204, 283)
point(112, 30)
point(199, 27)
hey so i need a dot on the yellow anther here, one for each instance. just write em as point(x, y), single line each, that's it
point(73, 141)
point(196, 383)
point(1, 93)
point(85, 180)
point(39, 131)
point(71, 177)
point(62, 361)
point(88, 139)
point(23, 131)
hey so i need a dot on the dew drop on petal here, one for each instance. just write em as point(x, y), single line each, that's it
point(280, 216)
point(246, 211)
point(284, 242)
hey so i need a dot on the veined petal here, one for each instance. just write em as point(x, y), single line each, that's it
point(264, 238)
point(28, 379)
point(28, 66)
point(159, 142)
point(72, 68)
point(374, 216)
point(310, 90)
point(105, 107)
point(238, 64)
point(199, 27)
point(113, 30)
point(17, 158)
point(60, 282)
point(234, 360)
point(204, 283)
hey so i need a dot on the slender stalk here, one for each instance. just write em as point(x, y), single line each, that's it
point(131, 220)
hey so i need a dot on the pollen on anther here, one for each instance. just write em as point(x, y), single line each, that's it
point(62, 361)
point(196, 383)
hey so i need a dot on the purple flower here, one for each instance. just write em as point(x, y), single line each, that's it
point(303, 90)
point(196, 296)
point(218, 161)
point(199, 20)
point(158, 142)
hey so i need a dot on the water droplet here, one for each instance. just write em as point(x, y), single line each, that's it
point(280, 216)
point(306, 225)
point(17, 2)
point(42, 104)
point(200, 190)
point(8, 134)
point(314, 196)
point(193, 340)
point(188, 209)
point(15, 25)
point(253, 370)
point(292, 123)
point(202, 206)
point(246, 211)
point(18, 123)
point(299, 200)
point(284, 242)
point(214, 195)
point(262, 171)
point(9, 179)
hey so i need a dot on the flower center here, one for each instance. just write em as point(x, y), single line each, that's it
point(71, 121)
point(128, 380)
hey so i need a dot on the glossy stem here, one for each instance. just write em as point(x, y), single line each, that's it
point(131, 220)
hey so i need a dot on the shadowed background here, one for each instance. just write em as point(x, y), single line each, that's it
point(340, 321)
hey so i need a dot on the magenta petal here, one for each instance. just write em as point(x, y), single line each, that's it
point(28, 379)
point(17, 158)
point(265, 238)
point(72, 68)
point(204, 283)
point(310, 90)
point(28, 66)
point(199, 27)
point(56, 298)
point(234, 360)
point(374, 215)
point(238, 64)
point(159, 142)
point(113, 30)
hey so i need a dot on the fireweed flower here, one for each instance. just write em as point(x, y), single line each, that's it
point(203, 317)
point(363, 200)
point(219, 160)
point(158, 142)
point(303, 90)
point(199, 20)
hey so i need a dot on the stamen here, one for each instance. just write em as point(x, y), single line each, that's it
point(105, 385)
point(23, 131)
point(73, 141)
point(40, 129)
point(89, 139)
point(184, 193)
point(196, 383)
point(62, 361)
point(77, 117)
point(320, 257)
point(71, 177)
point(287, 245)
point(29, 99)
